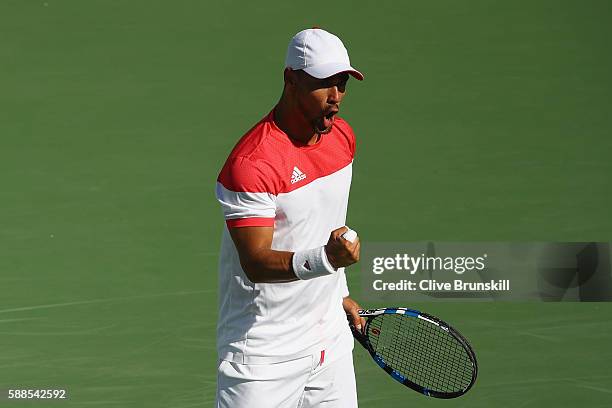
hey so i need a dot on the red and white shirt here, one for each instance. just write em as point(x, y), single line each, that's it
point(301, 190)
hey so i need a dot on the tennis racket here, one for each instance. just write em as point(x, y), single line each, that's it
point(419, 350)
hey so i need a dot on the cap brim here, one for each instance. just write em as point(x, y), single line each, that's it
point(327, 70)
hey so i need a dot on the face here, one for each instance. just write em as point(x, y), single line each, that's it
point(319, 99)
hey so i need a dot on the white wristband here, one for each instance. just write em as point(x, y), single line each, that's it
point(311, 263)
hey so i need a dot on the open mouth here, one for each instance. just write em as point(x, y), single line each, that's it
point(328, 120)
point(330, 115)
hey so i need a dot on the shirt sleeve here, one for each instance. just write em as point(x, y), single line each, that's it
point(245, 195)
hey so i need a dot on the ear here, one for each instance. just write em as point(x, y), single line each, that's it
point(290, 77)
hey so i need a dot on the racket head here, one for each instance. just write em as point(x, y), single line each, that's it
point(419, 350)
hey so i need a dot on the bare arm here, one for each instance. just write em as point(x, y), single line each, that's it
point(259, 262)
point(262, 264)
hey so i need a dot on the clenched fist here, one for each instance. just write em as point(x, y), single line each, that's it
point(341, 252)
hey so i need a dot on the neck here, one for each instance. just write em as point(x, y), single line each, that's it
point(291, 121)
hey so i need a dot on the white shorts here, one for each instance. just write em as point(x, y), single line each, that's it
point(306, 382)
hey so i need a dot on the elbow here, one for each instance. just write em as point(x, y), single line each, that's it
point(253, 270)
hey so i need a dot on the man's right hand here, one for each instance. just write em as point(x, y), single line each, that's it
point(341, 252)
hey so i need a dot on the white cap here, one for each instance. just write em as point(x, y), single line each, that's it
point(320, 54)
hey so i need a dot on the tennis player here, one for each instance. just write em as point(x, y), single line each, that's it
point(282, 336)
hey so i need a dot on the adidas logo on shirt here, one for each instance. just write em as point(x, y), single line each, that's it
point(297, 175)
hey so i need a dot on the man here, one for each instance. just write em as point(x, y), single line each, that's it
point(283, 338)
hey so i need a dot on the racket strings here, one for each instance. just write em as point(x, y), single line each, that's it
point(423, 371)
point(447, 359)
point(439, 371)
point(443, 368)
point(421, 351)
